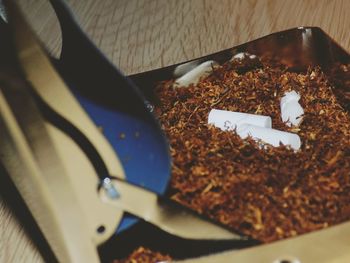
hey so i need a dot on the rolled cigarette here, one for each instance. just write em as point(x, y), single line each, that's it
point(270, 136)
point(291, 110)
point(194, 75)
point(230, 120)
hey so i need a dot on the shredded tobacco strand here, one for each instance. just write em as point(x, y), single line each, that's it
point(144, 255)
point(270, 193)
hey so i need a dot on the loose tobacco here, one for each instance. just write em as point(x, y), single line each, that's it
point(267, 193)
point(144, 255)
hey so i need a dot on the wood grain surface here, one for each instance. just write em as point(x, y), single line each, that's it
point(139, 35)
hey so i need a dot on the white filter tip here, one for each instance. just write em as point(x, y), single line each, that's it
point(182, 69)
point(229, 120)
point(194, 75)
point(270, 136)
point(291, 110)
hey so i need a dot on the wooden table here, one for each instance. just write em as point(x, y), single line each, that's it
point(139, 35)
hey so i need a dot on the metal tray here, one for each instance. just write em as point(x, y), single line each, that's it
point(298, 48)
